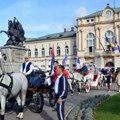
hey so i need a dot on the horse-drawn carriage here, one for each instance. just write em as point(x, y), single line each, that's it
point(82, 78)
point(35, 93)
point(92, 82)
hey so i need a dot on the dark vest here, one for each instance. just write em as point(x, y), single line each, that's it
point(27, 67)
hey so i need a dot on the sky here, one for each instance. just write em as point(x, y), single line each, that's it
point(42, 17)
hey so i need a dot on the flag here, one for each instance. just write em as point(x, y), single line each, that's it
point(77, 63)
point(112, 45)
point(52, 61)
point(65, 59)
point(118, 46)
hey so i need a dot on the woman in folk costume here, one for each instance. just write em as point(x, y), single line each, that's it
point(118, 80)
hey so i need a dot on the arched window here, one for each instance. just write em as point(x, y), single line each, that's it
point(90, 42)
point(66, 50)
point(110, 36)
point(58, 51)
point(36, 52)
point(50, 51)
point(74, 50)
point(43, 51)
point(29, 53)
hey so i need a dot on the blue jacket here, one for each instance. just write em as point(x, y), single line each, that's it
point(62, 88)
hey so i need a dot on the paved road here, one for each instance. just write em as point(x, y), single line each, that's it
point(47, 113)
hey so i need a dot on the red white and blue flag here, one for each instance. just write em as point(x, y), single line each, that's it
point(52, 61)
point(65, 59)
point(78, 63)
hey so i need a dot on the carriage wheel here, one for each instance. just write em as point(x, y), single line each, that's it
point(29, 96)
point(37, 103)
point(99, 85)
point(51, 98)
point(87, 87)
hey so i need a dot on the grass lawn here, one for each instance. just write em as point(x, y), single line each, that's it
point(110, 109)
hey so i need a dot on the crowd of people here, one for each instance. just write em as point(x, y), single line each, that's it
point(59, 79)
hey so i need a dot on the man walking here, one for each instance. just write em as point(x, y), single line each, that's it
point(61, 91)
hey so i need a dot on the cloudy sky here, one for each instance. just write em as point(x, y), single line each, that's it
point(41, 17)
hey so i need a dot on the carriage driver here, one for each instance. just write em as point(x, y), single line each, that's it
point(27, 68)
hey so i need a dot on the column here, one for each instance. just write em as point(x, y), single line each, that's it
point(78, 40)
point(97, 38)
point(118, 34)
point(81, 37)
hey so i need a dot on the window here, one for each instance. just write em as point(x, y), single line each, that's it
point(49, 66)
point(90, 42)
point(29, 53)
point(87, 20)
point(58, 51)
point(74, 50)
point(110, 36)
point(66, 50)
point(50, 51)
point(43, 51)
point(74, 65)
point(36, 52)
point(92, 20)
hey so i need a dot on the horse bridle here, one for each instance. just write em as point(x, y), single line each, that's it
point(8, 87)
point(1, 75)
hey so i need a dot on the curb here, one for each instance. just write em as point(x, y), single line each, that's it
point(68, 112)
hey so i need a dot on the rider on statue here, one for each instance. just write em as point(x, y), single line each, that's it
point(15, 33)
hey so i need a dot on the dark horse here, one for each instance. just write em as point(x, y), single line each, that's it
point(15, 33)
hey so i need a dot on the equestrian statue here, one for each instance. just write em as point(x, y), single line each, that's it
point(15, 33)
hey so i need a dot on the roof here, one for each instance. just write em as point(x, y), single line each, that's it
point(54, 36)
point(98, 13)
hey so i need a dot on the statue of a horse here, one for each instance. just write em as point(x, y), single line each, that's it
point(15, 32)
point(16, 85)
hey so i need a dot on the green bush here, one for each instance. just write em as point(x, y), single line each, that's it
point(85, 108)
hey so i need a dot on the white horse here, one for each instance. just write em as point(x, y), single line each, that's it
point(16, 85)
point(75, 77)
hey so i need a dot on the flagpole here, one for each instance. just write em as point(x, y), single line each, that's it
point(100, 43)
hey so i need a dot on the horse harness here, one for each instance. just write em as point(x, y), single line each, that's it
point(8, 87)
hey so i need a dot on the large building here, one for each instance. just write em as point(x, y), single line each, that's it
point(89, 41)
point(92, 31)
point(40, 49)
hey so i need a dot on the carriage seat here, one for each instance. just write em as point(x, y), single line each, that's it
point(95, 77)
point(36, 81)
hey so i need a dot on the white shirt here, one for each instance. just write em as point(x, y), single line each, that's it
point(56, 84)
point(31, 68)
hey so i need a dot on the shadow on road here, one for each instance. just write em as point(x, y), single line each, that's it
point(45, 116)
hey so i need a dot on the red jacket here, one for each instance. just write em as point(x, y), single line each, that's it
point(66, 73)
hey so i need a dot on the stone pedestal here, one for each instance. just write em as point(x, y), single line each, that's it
point(12, 57)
